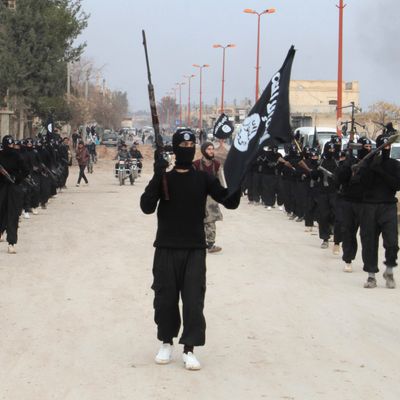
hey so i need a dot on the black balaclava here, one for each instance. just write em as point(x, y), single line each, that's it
point(329, 150)
point(183, 155)
point(7, 142)
point(203, 150)
point(363, 151)
point(306, 152)
point(314, 159)
point(380, 140)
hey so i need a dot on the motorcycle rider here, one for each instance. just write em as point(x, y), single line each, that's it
point(135, 153)
point(124, 155)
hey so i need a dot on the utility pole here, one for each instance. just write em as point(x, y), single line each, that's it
point(341, 7)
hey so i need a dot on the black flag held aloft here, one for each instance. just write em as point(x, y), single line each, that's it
point(223, 128)
point(268, 121)
point(50, 127)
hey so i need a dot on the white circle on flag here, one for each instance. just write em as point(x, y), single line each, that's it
point(186, 136)
point(226, 129)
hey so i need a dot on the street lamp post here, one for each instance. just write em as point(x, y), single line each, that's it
point(175, 116)
point(216, 46)
point(200, 67)
point(189, 78)
point(341, 7)
point(250, 11)
point(179, 84)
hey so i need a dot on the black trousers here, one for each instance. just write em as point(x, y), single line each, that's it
point(269, 189)
point(326, 204)
point(254, 189)
point(289, 195)
point(11, 199)
point(311, 207)
point(180, 272)
point(300, 190)
point(349, 226)
point(45, 189)
point(82, 174)
point(376, 219)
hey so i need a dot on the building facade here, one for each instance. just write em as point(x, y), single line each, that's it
point(314, 102)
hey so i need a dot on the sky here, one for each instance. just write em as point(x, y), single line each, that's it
point(181, 33)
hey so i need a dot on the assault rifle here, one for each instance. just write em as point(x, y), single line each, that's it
point(160, 151)
point(4, 172)
point(391, 139)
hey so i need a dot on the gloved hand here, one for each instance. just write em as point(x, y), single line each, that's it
point(160, 164)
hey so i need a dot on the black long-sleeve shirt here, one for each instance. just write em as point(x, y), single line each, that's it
point(181, 218)
point(381, 181)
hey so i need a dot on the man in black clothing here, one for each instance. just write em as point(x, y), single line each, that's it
point(11, 195)
point(381, 180)
point(270, 172)
point(350, 197)
point(326, 198)
point(179, 262)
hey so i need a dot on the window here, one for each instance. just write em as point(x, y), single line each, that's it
point(332, 102)
point(349, 86)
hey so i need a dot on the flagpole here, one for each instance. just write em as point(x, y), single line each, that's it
point(341, 7)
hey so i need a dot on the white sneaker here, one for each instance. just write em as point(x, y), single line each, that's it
point(164, 355)
point(26, 215)
point(269, 208)
point(347, 268)
point(280, 208)
point(191, 362)
point(11, 249)
point(35, 211)
point(336, 249)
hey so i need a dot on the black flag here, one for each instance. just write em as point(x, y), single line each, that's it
point(223, 128)
point(268, 120)
point(49, 127)
point(315, 142)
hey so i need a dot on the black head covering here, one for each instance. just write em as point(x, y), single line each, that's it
point(182, 135)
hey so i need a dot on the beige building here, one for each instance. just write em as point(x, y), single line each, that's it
point(314, 102)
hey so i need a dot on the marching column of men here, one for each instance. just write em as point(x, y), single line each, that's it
point(339, 192)
point(31, 172)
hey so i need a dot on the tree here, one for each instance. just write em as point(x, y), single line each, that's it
point(380, 114)
point(167, 109)
point(36, 43)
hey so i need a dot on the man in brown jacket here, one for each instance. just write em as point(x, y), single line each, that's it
point(82, 155)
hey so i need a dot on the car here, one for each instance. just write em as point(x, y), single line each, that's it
point(110, 139)
point(395, 151)
point(307, 132)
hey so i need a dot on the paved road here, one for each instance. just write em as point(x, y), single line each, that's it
point(284, 322)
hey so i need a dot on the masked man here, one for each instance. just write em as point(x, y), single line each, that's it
point(179, 267)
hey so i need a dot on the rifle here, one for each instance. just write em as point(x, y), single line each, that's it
point(154, 117)
point(48, 171)
point(4, 172)
point(329, 174)
point(391, 139)
point(153, 107)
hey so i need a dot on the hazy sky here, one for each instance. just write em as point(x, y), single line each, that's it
point(181, 33)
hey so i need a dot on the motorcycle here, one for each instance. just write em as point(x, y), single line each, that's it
point(127, 169)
